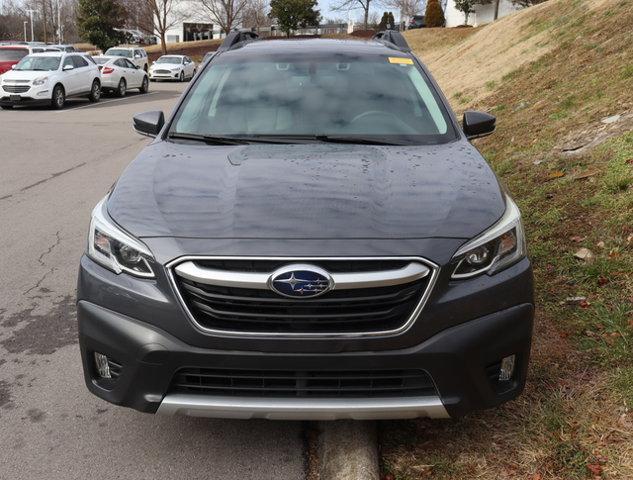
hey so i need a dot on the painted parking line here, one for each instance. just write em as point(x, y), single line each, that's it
point(103, 102)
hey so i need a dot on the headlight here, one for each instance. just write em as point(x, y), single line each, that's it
point(114, 249)
point(40, 81)
point(497, 248)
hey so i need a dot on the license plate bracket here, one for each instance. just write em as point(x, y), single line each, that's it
point(15, 98)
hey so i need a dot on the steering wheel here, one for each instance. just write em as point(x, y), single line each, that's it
point(405, 127)
point(369, 113)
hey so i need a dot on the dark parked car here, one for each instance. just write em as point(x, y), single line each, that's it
point(310, 235)
point(417, 21)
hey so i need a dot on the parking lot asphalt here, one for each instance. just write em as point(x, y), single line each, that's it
point(55, 166)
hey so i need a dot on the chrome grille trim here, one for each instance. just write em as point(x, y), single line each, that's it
point(433, 270)
point(342, 281)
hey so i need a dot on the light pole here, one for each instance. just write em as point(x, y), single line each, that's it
point(25, 22)
point(31, 12)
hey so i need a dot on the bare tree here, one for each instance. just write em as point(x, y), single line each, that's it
point(255, 15)
point(158, 16)
point(407, 8)
point(226, 13)
point(345, 5)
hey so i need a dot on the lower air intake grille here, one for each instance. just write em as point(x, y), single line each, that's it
point(283, 383)
point(16, 88)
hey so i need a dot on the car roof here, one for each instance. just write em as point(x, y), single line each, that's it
point(51, 54)
point(22, 46)
point(316, 47)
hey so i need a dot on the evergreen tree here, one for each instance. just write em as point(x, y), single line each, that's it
point(97, 20)
point(292, 14)
point(434, 16)
point(391, 20)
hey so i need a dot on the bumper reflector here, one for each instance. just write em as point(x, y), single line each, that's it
point(103, 368)
point(507, 368)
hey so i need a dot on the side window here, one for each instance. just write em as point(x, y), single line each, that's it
point(68, 61)
point(138, 53)
point(38, 50)
point(120, 63)
point(79, 62)
point(129, 64)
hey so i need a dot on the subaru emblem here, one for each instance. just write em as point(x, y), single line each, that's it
point(300, 281)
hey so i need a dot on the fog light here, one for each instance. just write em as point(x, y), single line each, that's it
point(101, 361)
point(507, 368)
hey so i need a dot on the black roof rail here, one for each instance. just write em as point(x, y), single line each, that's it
point(394, 38)
point(235, 37)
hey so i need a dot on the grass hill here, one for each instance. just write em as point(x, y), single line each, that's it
point(559, 77)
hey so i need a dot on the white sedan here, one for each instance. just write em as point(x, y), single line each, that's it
point(119, 75)
point(172, 67)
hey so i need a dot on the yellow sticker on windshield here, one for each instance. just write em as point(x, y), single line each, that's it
point(401, 60)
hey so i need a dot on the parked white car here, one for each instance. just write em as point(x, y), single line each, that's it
point(138, 56)
point(172, 67)
point(50, 78)
point(120, 75)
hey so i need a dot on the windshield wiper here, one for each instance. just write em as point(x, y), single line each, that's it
point(354, 139)
point(227, 139)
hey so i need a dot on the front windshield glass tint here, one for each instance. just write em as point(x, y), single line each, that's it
point(377, 97)
point(38, 63)
point(12, 54)
point(169, 60)
point(119, 52)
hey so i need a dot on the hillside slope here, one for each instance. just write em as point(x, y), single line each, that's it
point(559, 77)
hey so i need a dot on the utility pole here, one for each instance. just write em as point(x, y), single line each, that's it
point(59, 22)
point(31, 12)
point(25, 22)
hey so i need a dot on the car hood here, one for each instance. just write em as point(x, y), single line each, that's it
point(24, 75)
point(307, 192)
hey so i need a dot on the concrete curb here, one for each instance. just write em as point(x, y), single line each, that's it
point(348, 450)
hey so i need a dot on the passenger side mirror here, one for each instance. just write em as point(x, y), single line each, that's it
point(67, 67)
point(149, 123)
point(478, 124)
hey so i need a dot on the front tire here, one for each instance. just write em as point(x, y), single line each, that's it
point(144, 86)
point(7, 107)
point(59, 97)
point(95, 92)
point(182, 76)
point(122, 88)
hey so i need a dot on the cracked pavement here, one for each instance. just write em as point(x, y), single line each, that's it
point(55, 168)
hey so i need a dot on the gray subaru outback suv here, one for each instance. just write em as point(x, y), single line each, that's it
point(310, 235)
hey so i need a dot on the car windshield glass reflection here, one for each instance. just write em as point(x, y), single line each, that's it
point(38, 63)
point(322, 97)
point(168, 60)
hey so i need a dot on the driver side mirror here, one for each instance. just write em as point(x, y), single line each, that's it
point(478, 124)
point(149, 123)
point(67, 67)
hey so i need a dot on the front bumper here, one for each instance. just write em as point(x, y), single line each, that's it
point(35, 95)
point(458, 359)
point(164, 76)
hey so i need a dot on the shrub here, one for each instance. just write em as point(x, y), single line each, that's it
point(434, 16)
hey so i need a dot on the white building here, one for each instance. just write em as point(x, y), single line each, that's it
point(190, 22)
point(483, 13)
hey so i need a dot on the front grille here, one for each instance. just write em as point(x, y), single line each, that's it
point(16, 88)
point(162, 72)
point(339, 311)
point(290, 383)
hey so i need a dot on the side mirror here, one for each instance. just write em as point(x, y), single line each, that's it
point(68, 67)
point(478, 124)
point(14, 66)
point(149, 123)
point(137, 56)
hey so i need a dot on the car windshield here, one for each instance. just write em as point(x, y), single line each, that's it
point(119, 52)
point(386, 99)
point(12, 54)
point(38, 63)
point(169, 60)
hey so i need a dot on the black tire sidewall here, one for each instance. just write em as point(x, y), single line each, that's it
point(57, 105)
point(122, 83)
